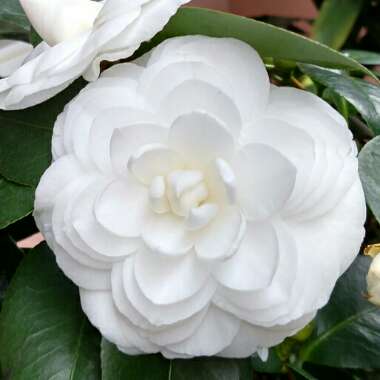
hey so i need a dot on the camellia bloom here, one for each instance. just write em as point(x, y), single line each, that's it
point(78, 35)
point(200, 210)
point(12, 55)
point(373, 280)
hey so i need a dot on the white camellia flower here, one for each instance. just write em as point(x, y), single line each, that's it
point(200, 210)
point(12, 54)
point(78, 35)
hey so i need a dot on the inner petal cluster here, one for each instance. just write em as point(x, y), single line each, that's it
point(177, 188)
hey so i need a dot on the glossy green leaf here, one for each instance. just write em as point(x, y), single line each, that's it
point(369, 170)
point(268, 40)
point(25, 138)
point(363, 56)
point(365, 97)
point(43, 332)
point(10, 257)
point(116, 365)
point(11, 13)
point(335, 21)
point(211, 369)
point(348, 328)
point(16, 201)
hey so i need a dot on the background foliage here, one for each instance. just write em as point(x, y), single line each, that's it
point(43, 332)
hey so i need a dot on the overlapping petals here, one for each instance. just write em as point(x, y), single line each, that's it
point(12, 55)
point(78, 35)
point(200, 210)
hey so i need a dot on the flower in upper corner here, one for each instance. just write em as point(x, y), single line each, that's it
point(12, 54)
point(373, 276)
point(78, 35)
point(200, 210)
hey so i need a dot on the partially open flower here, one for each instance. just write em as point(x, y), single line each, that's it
point(373, 276)
point(78, 35)
point(12, 54)
point(200, 210)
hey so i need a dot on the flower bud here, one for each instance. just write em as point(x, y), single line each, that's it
point(373, 280)
point(60, 20)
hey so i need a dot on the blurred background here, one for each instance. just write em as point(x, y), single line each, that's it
point(302, 9)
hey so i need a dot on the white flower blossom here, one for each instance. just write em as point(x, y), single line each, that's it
point(78, 35)
point(199, 209)
point(12, 54)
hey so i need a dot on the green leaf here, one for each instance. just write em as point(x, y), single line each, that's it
point(272, 365)
point(335, 21)
point(369, 170)
point(16, 201)
point(363, 56)
point(116, 365)
point(11, 13)
point(270, 41)
point(25, 138)
point(348, 328)
point(43, 332)
point(211, 369)
point(10, 259)
point(365, 97)
point(303, 374)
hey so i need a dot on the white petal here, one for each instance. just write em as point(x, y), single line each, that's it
point(103, 128)
point(121, 300)
point(164, 315)
point(254, 264)
point(216, 332)
point(122, 208)
point(57, 176)
point(222, 238)
point(12, 55)
point(154, 160)
point(83, 276)
point(101, 312)
point(168, 280)
point(105, 245)
point(236, 62)
point(49, 17)
point(200, 138)
point(166, 234)
point(265, 180)
point(126, 141)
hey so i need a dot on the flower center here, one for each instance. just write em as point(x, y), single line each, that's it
point(183, 192)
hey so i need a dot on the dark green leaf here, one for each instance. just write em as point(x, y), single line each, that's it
point(272, 365)
point(365, 97)
point(16, 201)
point(268, 40)
point(10, 257)
point(43, 332)
point(303, 373)
point(210, 369)
point(12, 13)
point(348, 328)
point(25, 138)
point(116, 365)
point(363, 56)
point(369, 170)
point(336, 20)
